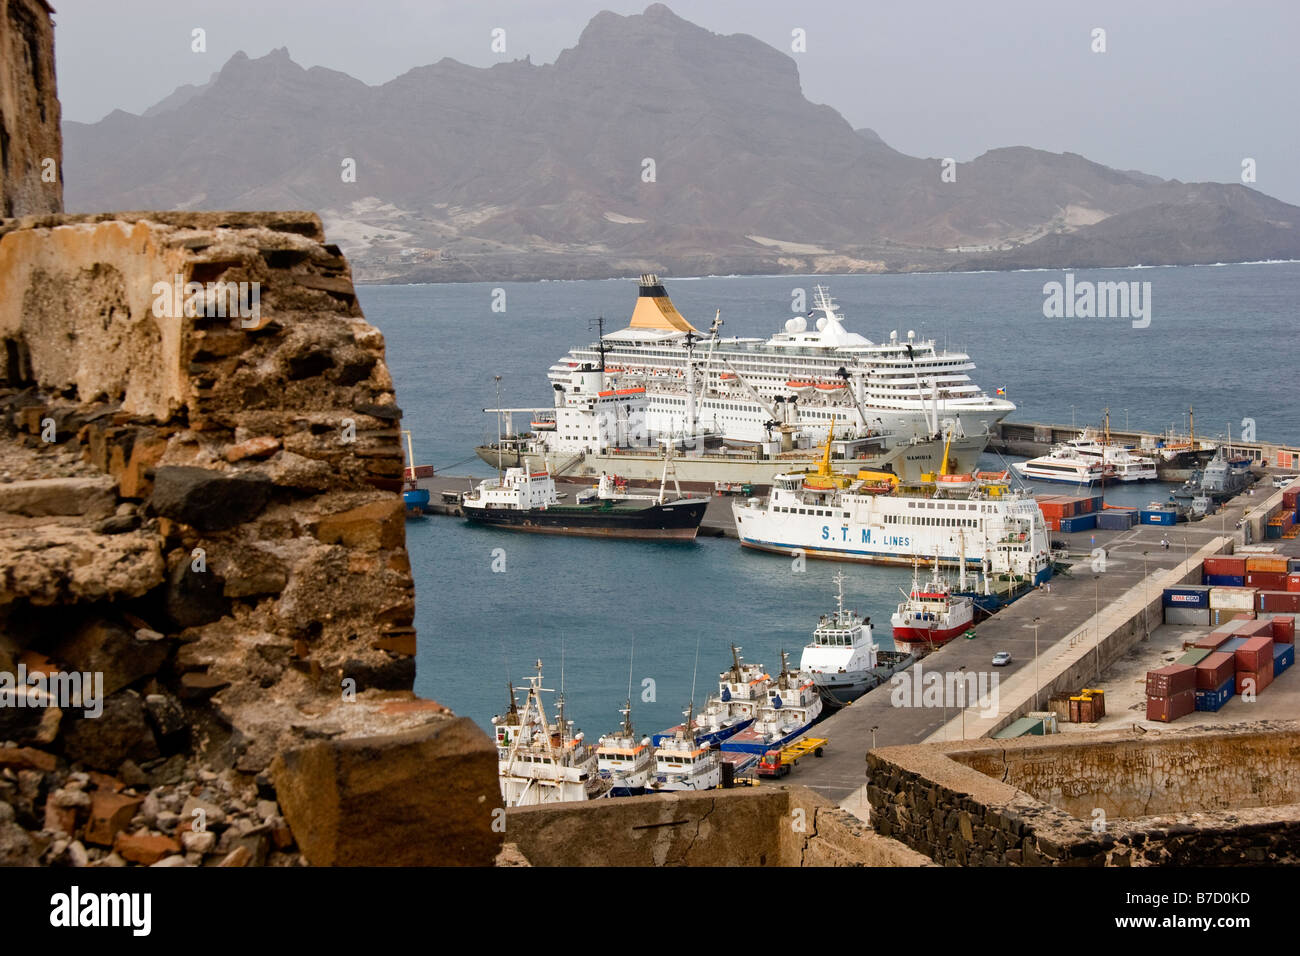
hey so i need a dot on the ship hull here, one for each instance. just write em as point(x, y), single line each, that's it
point(678, 521)
point(712, 738)
point(914, 636)
point(749, 742)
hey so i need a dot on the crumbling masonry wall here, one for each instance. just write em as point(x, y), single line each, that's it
point(31, 144)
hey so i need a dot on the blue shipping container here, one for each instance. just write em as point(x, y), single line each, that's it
point(1152, 516)
point(1212, 700)
point(1187, 596)
point(1283, 657)
point(1226, 580)
point(1231, 644)
point(1079, 523)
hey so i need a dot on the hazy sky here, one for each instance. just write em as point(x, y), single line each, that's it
point(1185, 90)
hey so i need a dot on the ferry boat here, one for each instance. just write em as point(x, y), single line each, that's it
point(683, 764)
point(742, 690)
point(843, 657)
point(895, 386)
point(1064, 464)
point(873, 519)
point(525, 500)
point(932, 614)
point(793, 704)
point(539, 762)
point(1118, 461)
point(624, 761)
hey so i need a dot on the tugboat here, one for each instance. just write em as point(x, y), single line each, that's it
point(932, 615)
point(793, 705)
point(843, 659)
point(539, 762)
point(525, 500)
point(624, 762)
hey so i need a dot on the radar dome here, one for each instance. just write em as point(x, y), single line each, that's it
point(821, 324)
point(797, 324)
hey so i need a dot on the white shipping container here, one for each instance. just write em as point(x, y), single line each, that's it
point(1195, 616)
point(1232, 599)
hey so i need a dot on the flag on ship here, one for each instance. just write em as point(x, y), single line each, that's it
point(1002, 390)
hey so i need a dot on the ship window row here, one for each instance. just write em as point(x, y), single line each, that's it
point(528, 758)
point(927, 522)
point(951, 506)
point(818, 512)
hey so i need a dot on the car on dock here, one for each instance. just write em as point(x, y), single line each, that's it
point(1001, 659)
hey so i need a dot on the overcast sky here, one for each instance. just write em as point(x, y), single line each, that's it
point(1185, 90)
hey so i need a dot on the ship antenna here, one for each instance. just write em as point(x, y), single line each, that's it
point(694, 673)
point(839, 599)
point(600, 342)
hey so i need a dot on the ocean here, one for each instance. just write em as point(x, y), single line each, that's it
point(603, 615)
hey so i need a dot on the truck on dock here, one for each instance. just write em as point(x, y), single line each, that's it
point(743, 489)
point(779, 762)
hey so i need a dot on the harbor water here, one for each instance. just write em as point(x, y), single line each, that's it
point(584, 606)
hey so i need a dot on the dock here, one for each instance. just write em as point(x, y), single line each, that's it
point(1087, 622)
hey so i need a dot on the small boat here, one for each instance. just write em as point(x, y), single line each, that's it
point(842, 657)
point(955, 483)
point(793, 705)
point(1063, 464)
point(742, 689)
point(416, 501)
point(932, 614)
point(623, 761)
point(829, 386)
point(414, 498)
point(683, 764)
point(543, 424)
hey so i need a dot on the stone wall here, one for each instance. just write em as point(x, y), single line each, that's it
point(768, 826)
point(203, 506)
point(1115, 799)
point(31, 144)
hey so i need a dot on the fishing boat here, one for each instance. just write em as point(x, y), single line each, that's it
point(843, 658)
point(793, 705)
point(681, 763)
point(524, 500)
point(624, 761)
point(932, 614)
point(742, 690)
point(540, 762)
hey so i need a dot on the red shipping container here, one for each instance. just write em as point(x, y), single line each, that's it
point(1260, 679)
point(1225, 565)
point(1289, 498)
point(1213, 639)
point(1293, 581)
point(1253, 655)
point(1283, 630)
point(1174, 679)
point(1255, 628)
point(1171, 708)
point(1278, 602)
point(1266, 580)
point(1214, 670)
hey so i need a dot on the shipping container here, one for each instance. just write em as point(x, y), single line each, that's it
point(1114, 519)
point(1224, 615)
point(1165, 516)
point(1213, 640)
point(1079, 523)
point(1278, 602)
point(1293, 581)
point(1171, 708)
point(1170, 680)
point(1266, 580)
point(1283, 657)
point(1222, 564)
point(1212, 700)
point(1215, 669)
point(1239, 599)
point(1262, 562)
point(1291, 498)
point(1255, 628)
point(1293, 564)
point(1098, 700)
point(1283, 629)
point(1225, 580)
point(1188, 616)
point(1194, 656)
point(1254, 653)
point(1187, 595)
point(1255, 681)
point(1272, 531)
point(1231, 644)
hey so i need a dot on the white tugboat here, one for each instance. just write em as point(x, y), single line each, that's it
point(793, 705)
point(624, 761)
point(683, 764)
point(539, 762)
point(842, 657)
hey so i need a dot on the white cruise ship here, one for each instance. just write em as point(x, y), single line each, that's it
point(741, 387)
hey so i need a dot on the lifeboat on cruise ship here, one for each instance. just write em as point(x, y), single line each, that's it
point(798, 387)
point(829, 386)
point(955, 483)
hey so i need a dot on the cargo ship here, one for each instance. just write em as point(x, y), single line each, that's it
point(523, 500)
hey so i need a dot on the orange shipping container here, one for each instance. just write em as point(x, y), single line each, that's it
point(1266, 563)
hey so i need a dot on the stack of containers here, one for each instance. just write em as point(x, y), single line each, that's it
point(1283, 629)
point(1171, 692)
point(1227, 603)
point(1277, 602)
point(1070, 512)
point(1116, 519)
point(1266, 573)
point(1215, 680)
point(1280, 524)
point(1224, 571)
point(1254, 664)
point(1187, 604)
point(1291, 499)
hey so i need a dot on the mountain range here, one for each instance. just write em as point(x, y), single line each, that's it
point(651, 145)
